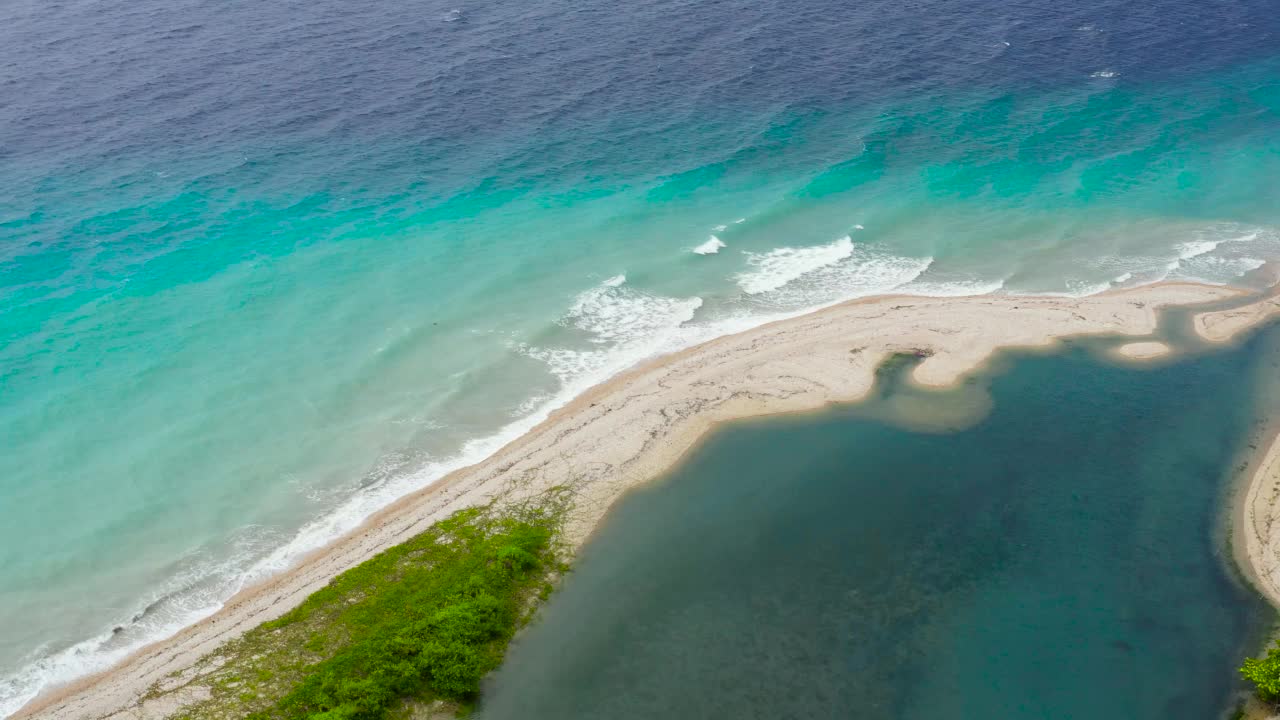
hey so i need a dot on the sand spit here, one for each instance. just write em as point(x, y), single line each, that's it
point(1225, 325)
point(1142, 350)
point(633, 427)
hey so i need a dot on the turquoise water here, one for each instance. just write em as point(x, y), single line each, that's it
point(1062, 558)
point(264, 269)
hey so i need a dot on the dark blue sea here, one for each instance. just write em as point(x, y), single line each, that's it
point(266, 267)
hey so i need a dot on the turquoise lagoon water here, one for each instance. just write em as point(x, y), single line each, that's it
point(1061, 558)
point(265, 268)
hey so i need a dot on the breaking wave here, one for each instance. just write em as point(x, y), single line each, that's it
point(774, 269)
point(711, 246)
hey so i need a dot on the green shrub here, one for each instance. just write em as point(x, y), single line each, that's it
point(1264, 673)
point(517, 559)
point(427, 619)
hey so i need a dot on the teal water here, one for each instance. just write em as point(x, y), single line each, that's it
point(264, 269)
point(1061, 558)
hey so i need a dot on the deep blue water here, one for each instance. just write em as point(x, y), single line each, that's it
point(265, 267)
point(1063, 558)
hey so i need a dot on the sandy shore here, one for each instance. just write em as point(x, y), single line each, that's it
point(1258, 522)
point(632, 428)
point(1255, 530)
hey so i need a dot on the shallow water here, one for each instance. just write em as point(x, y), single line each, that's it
point(265, 267)
point(1061, 558)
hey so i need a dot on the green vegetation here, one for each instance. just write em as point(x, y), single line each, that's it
point(411, 631)
point(1264, 673)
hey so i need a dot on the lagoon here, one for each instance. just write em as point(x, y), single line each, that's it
point(1062, 556)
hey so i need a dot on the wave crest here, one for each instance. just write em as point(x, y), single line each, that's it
point(780, 266)
point(812, 277)
point(632, 324)
point(711, 246)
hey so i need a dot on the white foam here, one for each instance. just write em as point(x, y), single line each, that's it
point(1196, 248)
point(1199, 260)
point(720, 228)
point(83, 658)
point(866, 270)
point(858, 227)
point(1218, 269)
point(191, 595)
point(711, 246)
point(1105, 74)
point(628, 325)
point(1084, 288)
point(1217, 253)
point(614, 313)
point(623, 321)
point(955, 288)
point(776, 268)
point(530, 404)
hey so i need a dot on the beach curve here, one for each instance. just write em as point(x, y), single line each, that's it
point(1257, 536)
point(635, 426)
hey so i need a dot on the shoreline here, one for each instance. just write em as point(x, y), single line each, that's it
point(1254, 510)
point(666, 405)
point(1253, 500)
point(1253, 536)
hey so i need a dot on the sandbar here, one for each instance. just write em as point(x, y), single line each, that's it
point(1142, 350)
point(1221, 326)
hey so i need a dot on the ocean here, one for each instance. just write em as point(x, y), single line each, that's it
point(265, 268)
point(1064, 555)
